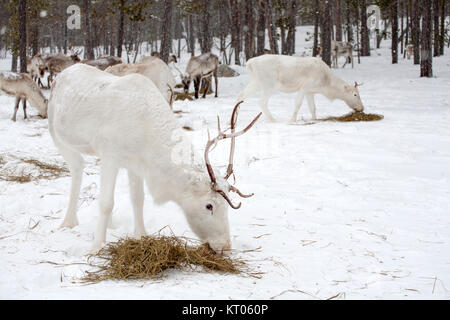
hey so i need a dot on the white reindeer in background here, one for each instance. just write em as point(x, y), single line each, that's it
point(22, 87)
point(126, 122)
point(155, 70)
point(307, 76)
point(36, 69)
point(341, 49)
point(198, 68)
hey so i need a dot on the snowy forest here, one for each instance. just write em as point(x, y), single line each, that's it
point(236, 28)
point(224, 149)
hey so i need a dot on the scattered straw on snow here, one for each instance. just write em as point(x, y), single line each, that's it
point(24, 170)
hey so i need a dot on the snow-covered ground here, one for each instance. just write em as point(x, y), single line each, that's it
point(345, 210)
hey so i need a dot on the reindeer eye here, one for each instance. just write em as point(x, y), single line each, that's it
point(209, 207)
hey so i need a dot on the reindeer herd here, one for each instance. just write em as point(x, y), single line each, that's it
point(122, 114)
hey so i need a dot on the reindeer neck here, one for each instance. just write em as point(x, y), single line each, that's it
point(36, 97)
point(174, 183)
point(336, 88)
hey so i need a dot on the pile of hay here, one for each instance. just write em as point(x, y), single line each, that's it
point(150, 256)
point(355, 116)
point(23, 170)
point(183, 96)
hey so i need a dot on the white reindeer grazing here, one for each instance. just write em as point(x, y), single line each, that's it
point(155, 70)
point(198, 68)
point(21, 86)
point(307, 76)
point(126, 122)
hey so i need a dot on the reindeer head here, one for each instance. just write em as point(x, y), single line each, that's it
point(37, 66)
point(186, 81)
point(212, 196)
point(172, 58)
point(352, 97)
point(75, 55)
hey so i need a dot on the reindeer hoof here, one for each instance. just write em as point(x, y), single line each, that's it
point(139, 234)
point(96, 247)
point(68, 224)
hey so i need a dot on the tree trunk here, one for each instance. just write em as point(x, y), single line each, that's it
point(436, 35)
point(426, 61)
point(338, 19)
point(394, 23)
point(23, 35)
point(442, 37)
point(248, 30)
point(365, 41)
point(348, 22)
point(166, 36)
point(415, 29)
point(271, 28)
point(316, 28)
point(89, 51)
point(401, 9)
point(120, 29)
point(205, 34)
point(326, 32)
point(14, 62)
point(235, 30)
point(191, 35)
point(261, 28)
point(292, 27)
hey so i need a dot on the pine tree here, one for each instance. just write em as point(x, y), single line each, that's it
point(23, 35)
point(326, 32)
point(426, 54)
point(394, 23)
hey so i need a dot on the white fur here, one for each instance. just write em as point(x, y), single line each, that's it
point(307, 76)
point(126, 122)
point(154, 69)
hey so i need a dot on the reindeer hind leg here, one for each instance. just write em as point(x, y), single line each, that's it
point(24, 102)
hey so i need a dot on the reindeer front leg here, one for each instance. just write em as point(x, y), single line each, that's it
point(16, 107)
point(196, 86)
point(208, 83)
point(107, 185)
point(137, 200)
point(217, 83)
point(312, 105)
point(298, 104)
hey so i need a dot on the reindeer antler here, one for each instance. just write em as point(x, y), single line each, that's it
point(221, 136)
point(358, 84)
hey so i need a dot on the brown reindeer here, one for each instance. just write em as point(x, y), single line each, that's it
point(21, 86)
point(103, 62)
point(56, 63)
point(198, 68)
